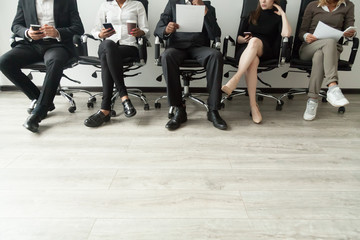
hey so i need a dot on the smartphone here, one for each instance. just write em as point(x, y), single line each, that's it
point(35, 27)
point(108, 26)
point(247, 33)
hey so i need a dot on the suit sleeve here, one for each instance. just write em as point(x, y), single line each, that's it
point(18, 26)
point(76, 27)
point(349, 20)
point(210, 23)
point(165, 18)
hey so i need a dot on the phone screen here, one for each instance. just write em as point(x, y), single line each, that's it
point(35, 27)
point(108, 26)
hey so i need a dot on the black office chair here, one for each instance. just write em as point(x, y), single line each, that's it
point(188, 70)
point(130, 64)
point(66, 92)
point(282, 45)
point(305, 66)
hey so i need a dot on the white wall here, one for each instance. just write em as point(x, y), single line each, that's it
point(228, 12)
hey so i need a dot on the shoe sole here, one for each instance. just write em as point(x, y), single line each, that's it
point(337, 105)
point(218, 127)
point(131, 115)
point(34, 130)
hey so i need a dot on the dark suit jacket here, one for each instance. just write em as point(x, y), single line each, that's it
point(66, 16)
point(211, 29)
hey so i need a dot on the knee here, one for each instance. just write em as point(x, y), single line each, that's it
point(56, 62)
point(168, 55)
point(106, 46)
point(5, 63)
point(330, 42)
point(255, 43)
point(216, 55)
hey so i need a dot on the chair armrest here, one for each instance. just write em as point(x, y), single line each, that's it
point(217, 43)
point(227, 39)
point(15, 39)
point(354, 50)
point(142, 43)
point(286, 46)
point(158, 44)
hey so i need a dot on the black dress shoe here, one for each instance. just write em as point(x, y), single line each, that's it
point(179, 117)
point(218, 122)
point(32, 123)
point(97, 119)
point(50, 108)
point(129, 109)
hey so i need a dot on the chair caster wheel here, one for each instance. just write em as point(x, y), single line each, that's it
point(260, 98)
point(278, 107)
point(290, 97)
point(157, 105)
point(71, 94)
point(323, 100)
point(146, 107)
point(222, 105)
point(113, 113)
point(72, 109)
point(92, 99)
point(90, 105)
point(230, 98)
point(170, 115)
point(341, 110)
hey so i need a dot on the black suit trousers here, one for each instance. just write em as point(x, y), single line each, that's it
point(211, 59)
point(54, 55)
point(112, 58)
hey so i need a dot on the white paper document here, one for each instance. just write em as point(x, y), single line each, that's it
point(324, 31)
point(190, 17)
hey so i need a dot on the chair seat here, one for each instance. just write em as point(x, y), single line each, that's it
point(40, 66)
point(91, 60)
point(307, 65)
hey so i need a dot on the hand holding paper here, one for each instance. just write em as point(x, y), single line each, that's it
point(349, 32)
point(190, 18)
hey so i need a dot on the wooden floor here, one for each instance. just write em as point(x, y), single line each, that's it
point(134, 180)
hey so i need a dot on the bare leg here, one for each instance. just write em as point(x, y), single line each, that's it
point(251, 82)
point(252, 51)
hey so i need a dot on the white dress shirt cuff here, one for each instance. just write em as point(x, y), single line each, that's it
point(305, 36)
point(58, 38)
point(27, 36)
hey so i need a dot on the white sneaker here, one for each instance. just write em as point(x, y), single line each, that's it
point(311, 108)
point(336, 98)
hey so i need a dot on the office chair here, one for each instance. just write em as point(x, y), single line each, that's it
point(281, 45)
point(189, 69)
point(305, 66)
point(130, 64)
point(67, 93)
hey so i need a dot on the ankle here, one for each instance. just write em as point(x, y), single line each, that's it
point(105, 112)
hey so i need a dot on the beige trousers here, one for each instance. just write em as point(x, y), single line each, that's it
point(324, 54)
